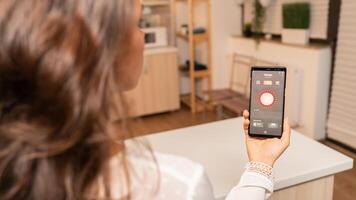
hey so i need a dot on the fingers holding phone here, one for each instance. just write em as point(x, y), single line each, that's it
point(285, 139)
point(246, 122)
point(266, 150)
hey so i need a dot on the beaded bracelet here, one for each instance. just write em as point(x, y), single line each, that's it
point(260, 168)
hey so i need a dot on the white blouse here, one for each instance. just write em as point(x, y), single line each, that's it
point(182, 179)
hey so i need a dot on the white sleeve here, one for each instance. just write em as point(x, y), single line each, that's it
point(252, 186)
point(202, 189)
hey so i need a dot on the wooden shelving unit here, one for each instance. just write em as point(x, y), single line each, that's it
point(197, 38)
point(195, 103)
point(197, 74)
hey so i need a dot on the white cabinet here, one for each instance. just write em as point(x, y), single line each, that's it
point(158, 89)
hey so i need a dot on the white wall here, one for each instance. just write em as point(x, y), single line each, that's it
point(226, 21)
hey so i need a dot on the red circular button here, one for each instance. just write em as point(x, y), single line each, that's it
point(267, 98)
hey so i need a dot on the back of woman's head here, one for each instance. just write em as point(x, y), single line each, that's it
point(57, 77)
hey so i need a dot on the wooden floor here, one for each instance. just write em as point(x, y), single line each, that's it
point(345, 182)
point(169, 121)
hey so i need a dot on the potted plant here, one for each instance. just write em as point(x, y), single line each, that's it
point(247, 32)
point(296, 21)
point(258, 20)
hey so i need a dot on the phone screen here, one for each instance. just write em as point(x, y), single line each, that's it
point(267, 101)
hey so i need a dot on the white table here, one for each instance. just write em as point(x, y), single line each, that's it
point(305, 171)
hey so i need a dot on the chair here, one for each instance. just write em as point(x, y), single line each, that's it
point(240, 83)
point(237, 85)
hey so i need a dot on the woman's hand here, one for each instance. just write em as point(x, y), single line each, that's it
point(266, 150)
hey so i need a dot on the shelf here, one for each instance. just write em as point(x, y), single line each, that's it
point(195, 103)
point(200, 104)
point(156, 3)
point(196, 74)
point(198, 38)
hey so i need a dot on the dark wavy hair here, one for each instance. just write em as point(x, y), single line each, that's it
point(58, 74)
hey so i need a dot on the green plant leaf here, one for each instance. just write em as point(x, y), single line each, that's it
point(296, 15)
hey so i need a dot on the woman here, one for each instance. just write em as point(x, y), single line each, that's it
point(61, 62)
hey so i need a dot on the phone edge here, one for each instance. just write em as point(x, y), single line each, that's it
point(284, 97)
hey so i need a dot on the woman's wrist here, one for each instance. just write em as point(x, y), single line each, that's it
point(264, 160)
point(260, 168)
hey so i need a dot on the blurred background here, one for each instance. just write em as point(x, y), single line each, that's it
point(199, 54)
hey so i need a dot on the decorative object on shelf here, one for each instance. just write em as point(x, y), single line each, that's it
point(152, 20)
point(184, 29)
point(143, 23)
point(159, 13)
point(146, 10)
point(258, 20)
point(268, 36)
point(197, 66)
point(247, 32)
point(199, 30)
point(296, 22)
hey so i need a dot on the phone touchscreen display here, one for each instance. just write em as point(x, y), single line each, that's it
point(267, 102)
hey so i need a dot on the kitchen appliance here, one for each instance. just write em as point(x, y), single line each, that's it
point(155, 37)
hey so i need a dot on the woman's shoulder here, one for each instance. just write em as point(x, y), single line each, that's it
point(169, 165)
point(178, 177)
point(178, 165)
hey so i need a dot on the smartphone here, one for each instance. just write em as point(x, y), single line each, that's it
point(267, 98)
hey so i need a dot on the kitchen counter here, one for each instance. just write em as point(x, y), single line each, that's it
point(220, 148)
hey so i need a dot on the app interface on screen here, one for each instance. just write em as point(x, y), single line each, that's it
point(267, 102)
